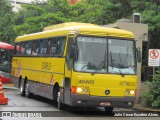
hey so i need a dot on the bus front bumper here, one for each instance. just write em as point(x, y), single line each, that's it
point(96, 101)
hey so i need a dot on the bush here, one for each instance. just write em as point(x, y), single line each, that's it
point(152, 97)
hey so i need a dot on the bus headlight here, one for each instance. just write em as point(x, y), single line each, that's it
point(85, 90)
point(130, 92)
point(79, 90)
point(82, 90)
point(127, 92)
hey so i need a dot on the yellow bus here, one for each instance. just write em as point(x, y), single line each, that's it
point(77, 64)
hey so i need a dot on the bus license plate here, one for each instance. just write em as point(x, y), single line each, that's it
point(105, 104)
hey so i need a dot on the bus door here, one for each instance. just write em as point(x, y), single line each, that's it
point(68, 72)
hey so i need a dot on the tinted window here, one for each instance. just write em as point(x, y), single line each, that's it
point(22, 48)
point(56, 46)
point(52, 46)
point(35, 47)
point(28, 47)
point(43, 47)
point(61, 45)
point(17, 49)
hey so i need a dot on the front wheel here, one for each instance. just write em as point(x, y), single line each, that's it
point(60, 104)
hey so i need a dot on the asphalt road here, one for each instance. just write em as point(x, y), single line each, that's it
point(39, 108)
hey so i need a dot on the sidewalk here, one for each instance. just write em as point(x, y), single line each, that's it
point(143, 108)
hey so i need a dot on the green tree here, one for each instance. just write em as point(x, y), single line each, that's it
point(101, 11)
point(150, 15)
point(152, 97)
point(33, 18)
point(7, 33)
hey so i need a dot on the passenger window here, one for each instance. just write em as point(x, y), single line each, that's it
point(52, 46)
point(22, 48)
point(35, 47)
point(28, 47)
point(17, 49)
point(43, 47)
point(56, 46)
point(61, 45)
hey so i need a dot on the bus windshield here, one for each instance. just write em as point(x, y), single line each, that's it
point(102, 55)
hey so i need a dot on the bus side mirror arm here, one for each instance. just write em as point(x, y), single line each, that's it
point(138, 54)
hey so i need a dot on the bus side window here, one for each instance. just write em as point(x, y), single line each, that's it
point(35, 47)
point(40, 43)
point(28, 47)
point(22, 48)
point(43, 47)
point(53, 46)
point(61, 45)
point(17, 49)
point(44, 50)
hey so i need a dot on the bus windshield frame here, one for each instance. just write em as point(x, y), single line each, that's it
point(104, 55)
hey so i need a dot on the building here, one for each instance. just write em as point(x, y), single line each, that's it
point(17, 3)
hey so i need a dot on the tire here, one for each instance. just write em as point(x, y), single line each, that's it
point(109, 109)
point(60, 104)
point(22, 88)
point(27, 93)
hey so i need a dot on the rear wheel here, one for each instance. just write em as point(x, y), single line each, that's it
point(27, 93)
point(22, 88)
point(109, 109)
point(60, 104)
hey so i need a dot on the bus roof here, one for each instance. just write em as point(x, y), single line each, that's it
point(75, 27)
point(6, 46)
point(65, 25)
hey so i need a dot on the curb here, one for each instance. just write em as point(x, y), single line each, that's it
point(146, 109)
point(9, 86)
point(6, 84)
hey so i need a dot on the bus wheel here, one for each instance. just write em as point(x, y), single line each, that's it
point(60, 104)
point(22, 88)
point(109, 109)
point(27, 93)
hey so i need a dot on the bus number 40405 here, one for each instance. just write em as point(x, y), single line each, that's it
point(86, 81)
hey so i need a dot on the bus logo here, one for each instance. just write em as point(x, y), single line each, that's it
point(107, 92)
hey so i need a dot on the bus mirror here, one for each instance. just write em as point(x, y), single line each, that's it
point(74, 52)
point(138, 53)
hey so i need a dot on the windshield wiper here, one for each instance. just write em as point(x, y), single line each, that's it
point(120, 71)
point(111, 60)
point(120, 65)
point(101, 63)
